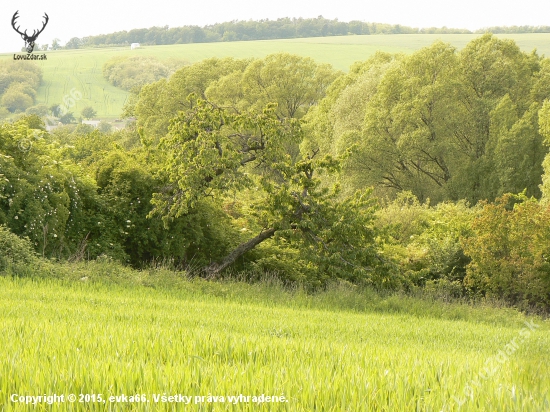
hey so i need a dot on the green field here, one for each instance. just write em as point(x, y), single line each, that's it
point(82, 69)
point(335, 351)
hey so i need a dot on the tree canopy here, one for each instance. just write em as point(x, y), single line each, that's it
point(19, 82)
point(441, 123)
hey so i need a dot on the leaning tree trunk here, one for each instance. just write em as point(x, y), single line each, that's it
point(214, 269)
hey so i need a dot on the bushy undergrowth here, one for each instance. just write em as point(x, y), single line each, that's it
point(426, 242)
point(494, 251)
point(16, 254)
point(510, 251)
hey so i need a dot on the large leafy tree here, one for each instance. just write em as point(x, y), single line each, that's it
point(336, 122)
point(88, 112)
point(497, 100)
point(295, 83)
point(409, 124)
point(159, 102)
point(212, 151)
point(18, 97)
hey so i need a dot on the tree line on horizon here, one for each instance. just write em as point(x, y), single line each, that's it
point(283, 28)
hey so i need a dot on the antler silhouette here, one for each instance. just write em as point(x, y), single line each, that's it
point(15, 16)
point(43, 25)
point(35, 33)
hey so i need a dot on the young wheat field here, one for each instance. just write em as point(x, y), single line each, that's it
point(208, 346)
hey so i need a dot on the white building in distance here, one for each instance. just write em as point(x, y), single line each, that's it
point(93, 123)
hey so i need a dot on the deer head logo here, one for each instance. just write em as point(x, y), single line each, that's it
point(29, 40)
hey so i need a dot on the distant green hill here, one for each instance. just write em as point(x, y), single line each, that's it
point(81, 69)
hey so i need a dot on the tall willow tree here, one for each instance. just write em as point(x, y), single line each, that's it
point(336, 122)
point(442, 123)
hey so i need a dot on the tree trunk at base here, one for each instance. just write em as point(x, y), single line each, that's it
point(214, 269)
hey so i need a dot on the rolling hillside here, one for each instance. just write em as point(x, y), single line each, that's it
point(82, 69)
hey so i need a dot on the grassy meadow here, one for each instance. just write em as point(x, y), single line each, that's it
point(103, 330)
point(82, 69)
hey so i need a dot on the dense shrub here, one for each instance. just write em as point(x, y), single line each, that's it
point(426, 241)
point(510, 251)
point(126, 185)
point(14, 251)
point(44, 197)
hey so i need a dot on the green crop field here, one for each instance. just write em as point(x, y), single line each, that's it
point(334, 351)
point(82, 69)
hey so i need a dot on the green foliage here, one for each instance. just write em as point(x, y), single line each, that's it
point(427, 241)
point(18, 97)
point(438, 249)
point(212, 152)
point(67, 118)
point(4, 113)
point(14, 251)
point(335, 123)
point(509, 249)
point(404, 218)
point(208, 148)
point(544, 124)
point(47, 197)
point(18, 84)
point(55, 110)
point(83, 129)
point(74, 43)
point(519, 150)
point(88, 112)
point(334, 235)
point(40, 110)
point(83, 144)
point(266, 165)
point(105, 127)
point(159, 102)
point(19, 72)
point(283, 28)
point(295, 83)
point(443, 124)
point(126, 185)
point(39, 193)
